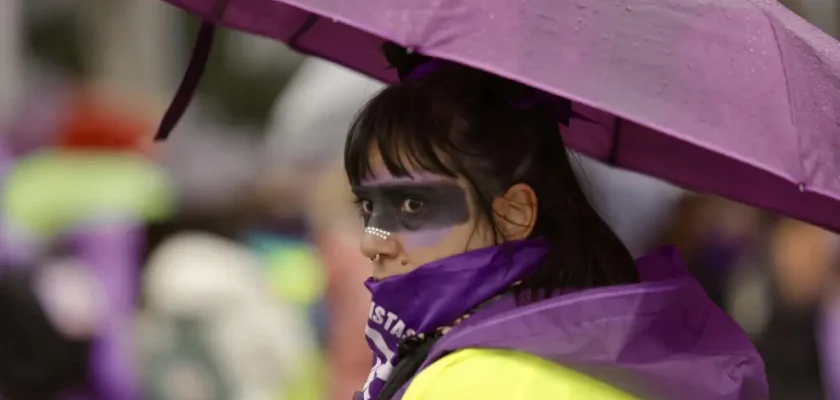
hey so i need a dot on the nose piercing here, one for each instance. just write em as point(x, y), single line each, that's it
point(380, 233)
point(375, 258)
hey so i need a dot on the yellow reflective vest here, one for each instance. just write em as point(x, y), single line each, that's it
point(505, 374)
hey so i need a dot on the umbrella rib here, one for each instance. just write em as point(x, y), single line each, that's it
point(613, 156)
point(195, 71)
point(185, 92)
point(302, 30)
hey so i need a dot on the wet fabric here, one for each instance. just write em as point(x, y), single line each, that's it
point(659, 339)
point(738, 98)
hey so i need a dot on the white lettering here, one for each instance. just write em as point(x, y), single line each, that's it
point(398, 329)
point(390, 320)
point(378, 315)
point(382, 368)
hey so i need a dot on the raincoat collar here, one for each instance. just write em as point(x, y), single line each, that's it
point(662, 338)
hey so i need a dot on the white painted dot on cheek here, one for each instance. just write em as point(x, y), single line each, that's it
point(380, 233)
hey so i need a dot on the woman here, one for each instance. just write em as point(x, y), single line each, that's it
point(493, 277)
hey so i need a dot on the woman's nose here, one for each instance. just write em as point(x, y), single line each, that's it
point(378, 241)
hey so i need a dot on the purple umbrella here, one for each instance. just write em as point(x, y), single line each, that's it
point(740, 98)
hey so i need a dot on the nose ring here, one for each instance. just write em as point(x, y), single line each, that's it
point(375, 258)
point(380, 233)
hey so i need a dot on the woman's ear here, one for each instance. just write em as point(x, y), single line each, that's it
point(516, 212)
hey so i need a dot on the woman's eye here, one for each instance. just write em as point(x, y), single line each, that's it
point(411, 206)
point(366, 206)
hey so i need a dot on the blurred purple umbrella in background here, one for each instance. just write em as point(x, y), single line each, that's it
point(740, 98)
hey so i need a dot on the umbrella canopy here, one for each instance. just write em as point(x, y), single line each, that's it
point(740, 98)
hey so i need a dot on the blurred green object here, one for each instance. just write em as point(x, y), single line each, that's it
point(296, 275)
point(53, 190)
point(312, 383)
point(294, 272)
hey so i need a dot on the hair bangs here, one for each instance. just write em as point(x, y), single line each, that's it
point(408, 129)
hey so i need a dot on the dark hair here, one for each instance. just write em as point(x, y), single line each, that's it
point(461, 122)
point(36, 361)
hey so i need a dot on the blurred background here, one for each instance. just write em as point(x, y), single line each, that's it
point(223, 264)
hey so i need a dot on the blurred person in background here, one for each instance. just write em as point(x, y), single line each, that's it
point(214, 330)
point(829, 329)
point(776, 277)
point(714, 234)
point(801, 279)
point(223, 211)
point(49, 314)
point(91, 162)
point(86, 192)
point(306, 175)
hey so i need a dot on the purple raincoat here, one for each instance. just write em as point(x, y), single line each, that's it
point(662, 338)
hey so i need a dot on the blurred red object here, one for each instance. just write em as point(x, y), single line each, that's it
point(99, 122)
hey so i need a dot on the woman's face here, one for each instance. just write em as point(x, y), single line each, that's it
point(411, 221)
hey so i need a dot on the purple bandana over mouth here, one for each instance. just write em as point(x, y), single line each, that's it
point(436, 294)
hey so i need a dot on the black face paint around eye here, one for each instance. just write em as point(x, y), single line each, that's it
point(414, 208)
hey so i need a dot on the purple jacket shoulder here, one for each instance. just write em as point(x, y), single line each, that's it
point(662, 338)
